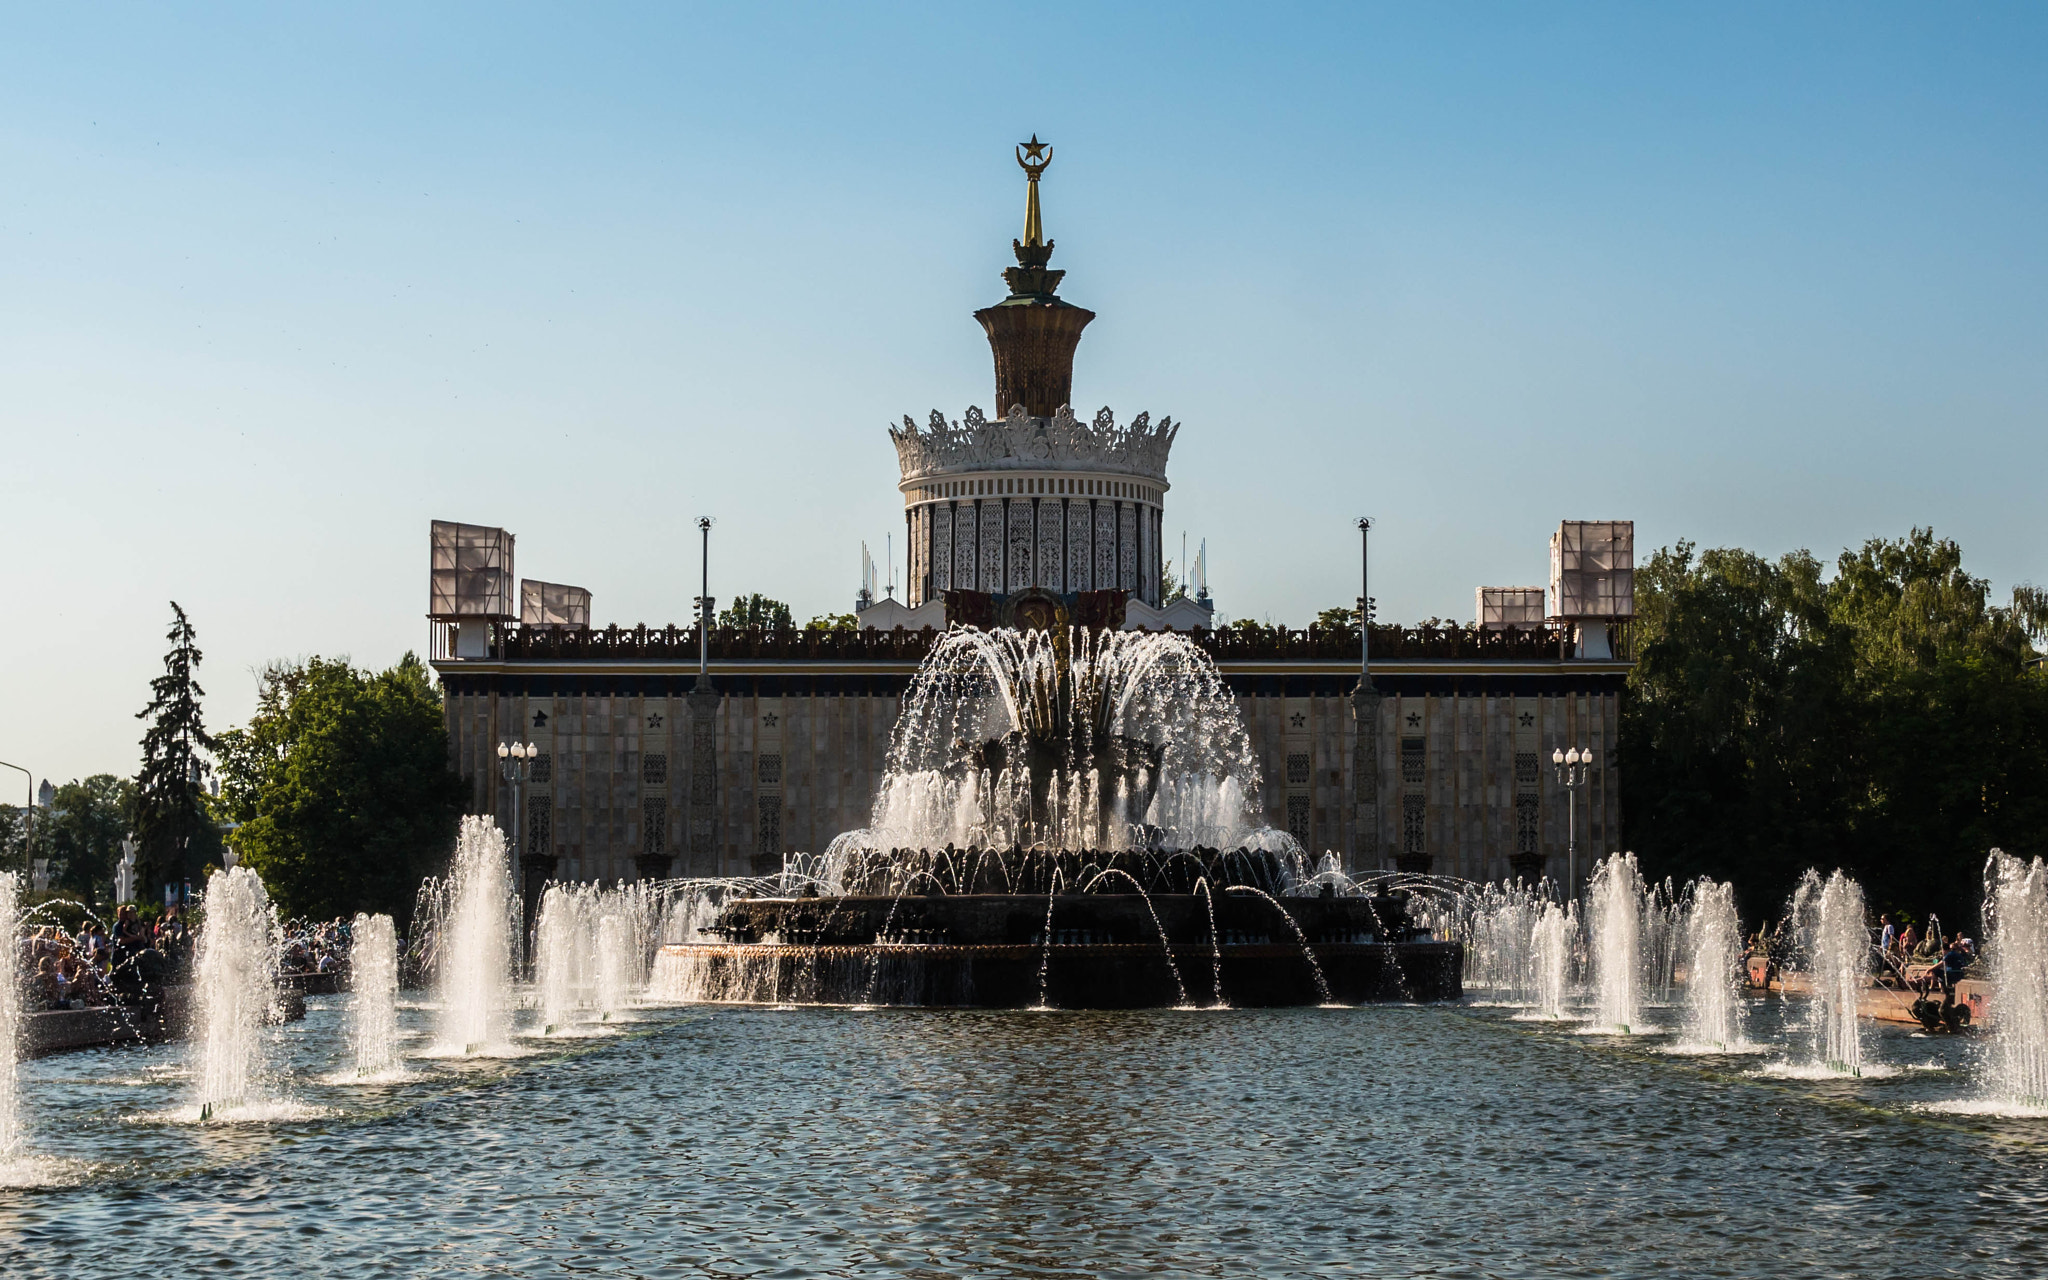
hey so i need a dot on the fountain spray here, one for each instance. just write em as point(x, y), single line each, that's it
point(237, 990)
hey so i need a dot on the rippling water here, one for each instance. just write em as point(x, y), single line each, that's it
point(1448, 1140)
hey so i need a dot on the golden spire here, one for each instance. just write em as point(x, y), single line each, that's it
point(1029, 159)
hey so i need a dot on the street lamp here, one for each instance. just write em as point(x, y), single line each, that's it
point(1365, 601)
point(28, 815)
point(1574, 768)
point(704, 615)
point(515, 765)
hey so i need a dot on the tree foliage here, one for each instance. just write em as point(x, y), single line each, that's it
point(756, 612)
point(340, 782)
point(172, 829)
point(81, 834)
point(845, 622)
point(1887, 720)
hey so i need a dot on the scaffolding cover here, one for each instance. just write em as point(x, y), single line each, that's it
point(1593, 569)
point(1508, 608)
point(472, 572)
point(552, 604)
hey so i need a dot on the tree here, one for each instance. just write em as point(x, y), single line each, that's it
point(1888, 720)
point(833, 622)
point(756, 613)
point(340, 782)
point(82, 832)
point(172, 829)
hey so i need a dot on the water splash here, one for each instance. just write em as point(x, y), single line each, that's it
point(475, 946)
point(12, 1134)
point(1828, 917)
point(2016, 953)
point(1076, 740)
point(1617, 935)
point(236, 996)
point(1712, 941)
point(373, 1002)
point(1550, 948)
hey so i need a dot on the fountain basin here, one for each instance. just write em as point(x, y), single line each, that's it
point(1105, 952)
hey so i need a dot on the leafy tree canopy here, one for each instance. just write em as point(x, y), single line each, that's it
point(833, 622)
point(756, 612)
point(1884, 720)
point(340, 782)
point(82, 831)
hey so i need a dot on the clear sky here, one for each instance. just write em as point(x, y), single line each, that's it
point(280, 284)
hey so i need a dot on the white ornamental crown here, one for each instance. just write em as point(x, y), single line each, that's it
point(976, 443)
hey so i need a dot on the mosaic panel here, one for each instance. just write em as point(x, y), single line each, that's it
point(1022, 534)
point(992, 545)
point(1078, 565)
point(1049, 560)
point(1105, 546)
point(1127, 548)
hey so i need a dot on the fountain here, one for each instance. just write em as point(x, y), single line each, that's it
point(474, 949)
point(236, 995)
point(11, 1132)
point(2016, 953)
point(1069, 816)
point(1711, 935)
point(373, 1009)
point(1550, 949)
point(1829, 920)
point(591, 948)
point(1617, 924)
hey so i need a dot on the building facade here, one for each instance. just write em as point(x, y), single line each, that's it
point(648, 766)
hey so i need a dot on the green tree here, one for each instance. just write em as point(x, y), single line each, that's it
point(340, 782)
point(833, 622)
point(757, 613)
point(1889, 720)
point(172, 828)
point(82, 832)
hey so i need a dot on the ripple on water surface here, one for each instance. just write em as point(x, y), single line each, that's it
point(752, 1141)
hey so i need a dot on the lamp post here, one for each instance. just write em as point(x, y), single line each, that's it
point(1573, 767)
point(28, 815)
point(704, 615)
point(1365, 711)
point(1365, 601)
point(515, 765)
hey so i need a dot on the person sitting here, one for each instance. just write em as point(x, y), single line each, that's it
point(47, 990)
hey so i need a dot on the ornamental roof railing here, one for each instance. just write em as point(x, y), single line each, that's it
point(976, 443)
point(1236, 644)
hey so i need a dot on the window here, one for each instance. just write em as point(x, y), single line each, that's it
point(1412, 759)
point(544, 767)
point(1297, 819)
point(653, 825)
point(539, 809)
point(1414, 824)
point(1528, 825)
point(770, 771)
point(654, 767)
point(770, 832)
point(1525, 768)
point(1297, 768)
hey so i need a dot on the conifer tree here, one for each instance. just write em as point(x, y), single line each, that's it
point(171, 823)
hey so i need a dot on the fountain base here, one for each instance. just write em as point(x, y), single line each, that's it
point(1106, 951)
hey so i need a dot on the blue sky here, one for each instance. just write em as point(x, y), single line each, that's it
point(278, 285)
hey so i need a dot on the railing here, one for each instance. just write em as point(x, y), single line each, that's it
point(1245, 644)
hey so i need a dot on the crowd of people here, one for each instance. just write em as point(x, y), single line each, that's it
point(101, 964)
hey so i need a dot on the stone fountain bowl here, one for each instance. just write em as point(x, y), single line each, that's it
point(1103, 950)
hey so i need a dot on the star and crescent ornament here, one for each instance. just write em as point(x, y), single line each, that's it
point(1034, 155)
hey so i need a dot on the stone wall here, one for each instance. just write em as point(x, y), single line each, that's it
point(1463, 764)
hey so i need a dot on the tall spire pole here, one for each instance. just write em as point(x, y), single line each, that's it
point(1033, 157)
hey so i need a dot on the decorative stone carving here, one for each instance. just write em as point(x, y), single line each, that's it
point(1049, 564)
point(942, 550)
point(1019, 440)
point(1078, 558)
point(1021, 537)
point(991, 545)
point(1105, 545)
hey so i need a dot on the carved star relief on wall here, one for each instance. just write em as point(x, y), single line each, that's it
point(1528, 719)
point(1298, 720)
point(1414, 719)
point(654, 722)
point(540, 719)
point(769, 720)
